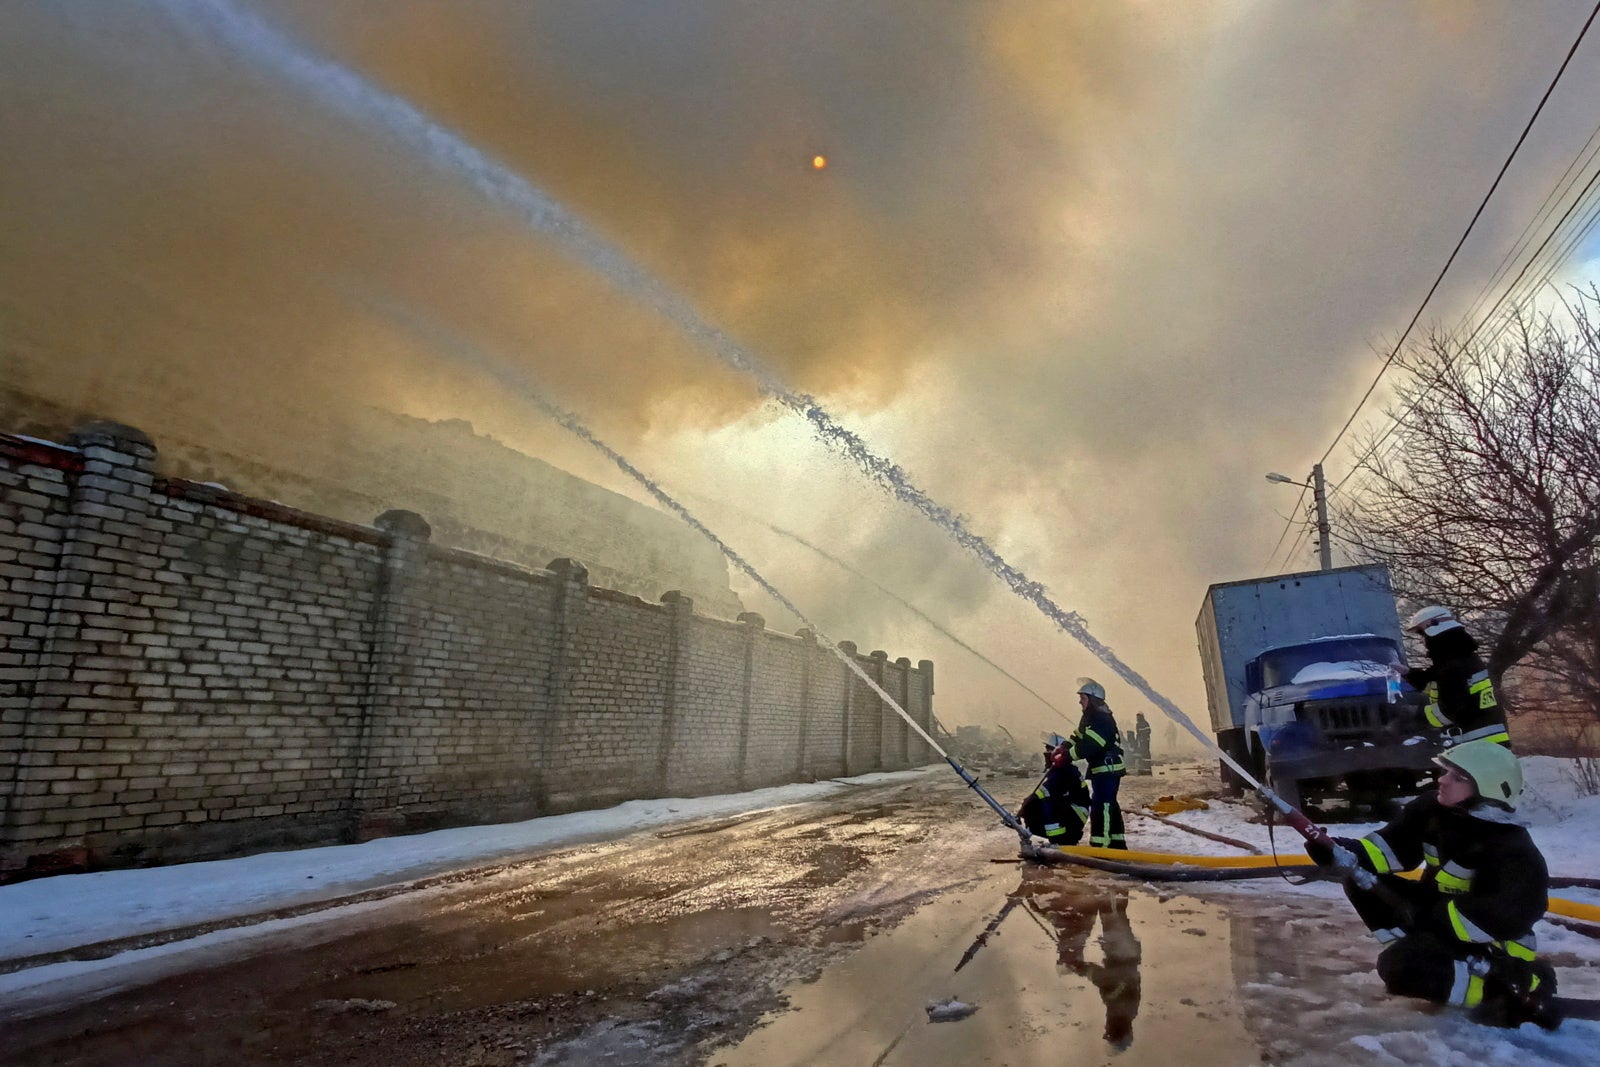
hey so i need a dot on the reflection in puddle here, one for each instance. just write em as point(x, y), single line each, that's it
point(1061, 967)
point(1073, 909)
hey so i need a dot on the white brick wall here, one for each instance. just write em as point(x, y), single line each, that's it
point(187, 673)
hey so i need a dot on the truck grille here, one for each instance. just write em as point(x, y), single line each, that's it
point(1346, 720)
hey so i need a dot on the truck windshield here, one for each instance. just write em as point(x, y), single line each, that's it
point(1280, 666)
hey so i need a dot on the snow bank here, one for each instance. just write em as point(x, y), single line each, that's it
point(51, 914)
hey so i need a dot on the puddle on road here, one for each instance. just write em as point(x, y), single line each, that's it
point(1062, 968)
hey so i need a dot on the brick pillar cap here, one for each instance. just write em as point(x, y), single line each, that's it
point(753, 620)
point(903, 661)
point(570, 569)
point(879, 653)
point(806, 633)
point(406, 524)
point(675, 596)
point(847, 646)
point(103, 432)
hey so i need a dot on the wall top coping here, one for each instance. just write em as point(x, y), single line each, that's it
point(616, 596)
point(465, 557)
point(20, 449)
point(221, 497)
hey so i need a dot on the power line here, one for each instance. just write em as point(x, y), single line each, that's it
point(1287, 526)
point(1557, 192)
point(1542, 245)
point(1305, 535)
point(1575, 239)
point(1465, 233)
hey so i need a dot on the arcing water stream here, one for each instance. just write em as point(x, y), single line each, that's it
point(503, 371)
point(896, 597)
point(347, 93)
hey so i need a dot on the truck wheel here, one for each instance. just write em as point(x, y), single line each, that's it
point(1232, 742)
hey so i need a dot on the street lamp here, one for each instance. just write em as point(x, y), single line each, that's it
point(1319, 493)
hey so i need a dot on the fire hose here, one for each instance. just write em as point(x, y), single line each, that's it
point(1178, 867)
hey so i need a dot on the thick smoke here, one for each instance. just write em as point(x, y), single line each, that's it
point(1086, 271)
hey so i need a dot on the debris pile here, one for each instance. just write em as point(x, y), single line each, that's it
point(993, 751)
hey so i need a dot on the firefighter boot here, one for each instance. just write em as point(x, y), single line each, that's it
point(1517, 992)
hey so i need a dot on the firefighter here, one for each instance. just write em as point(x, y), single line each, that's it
point(1461, 698)
point(1058, 808)
point(1463, 933)
point(1141, 734)
point(1098, 742)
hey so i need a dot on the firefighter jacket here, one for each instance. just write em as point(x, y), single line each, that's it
point(1489, 880)
point(1461, 698)
point(1097, 741)
point(1064, 783)
point(1058, 809)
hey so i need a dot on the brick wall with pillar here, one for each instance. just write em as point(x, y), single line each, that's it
point(803, 740)
point(902, 693)
point(680, 614)
point(36, 481)
point(188, 672)
point(571, 600)
point(69, 786)
point(754, 625)
point(378, 786)
point(851, 711)
point(920, 685)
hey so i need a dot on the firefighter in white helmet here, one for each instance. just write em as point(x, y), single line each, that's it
point(1462, 934)
point(1461, 697)
point(1098, 742)
point(1058, 808)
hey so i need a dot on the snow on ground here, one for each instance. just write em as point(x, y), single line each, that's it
point(48, 915)
point(1564, 822)
point(54, 914)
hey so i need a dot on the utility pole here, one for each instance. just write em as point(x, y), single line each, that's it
point(1320, 493)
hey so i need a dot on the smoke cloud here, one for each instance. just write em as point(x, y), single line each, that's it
point(1086, 271)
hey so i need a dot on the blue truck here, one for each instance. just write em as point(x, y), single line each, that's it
point(1302, 682)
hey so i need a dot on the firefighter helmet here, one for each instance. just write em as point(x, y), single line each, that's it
point(1090, 687)
point(1493, 768)
point(1432, 620)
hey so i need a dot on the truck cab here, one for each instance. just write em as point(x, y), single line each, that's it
point(1332, 689)
point(1302, 677)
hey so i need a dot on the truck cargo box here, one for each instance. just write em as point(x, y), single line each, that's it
point(1240, 620)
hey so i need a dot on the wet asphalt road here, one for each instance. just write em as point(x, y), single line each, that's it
point(830, 924)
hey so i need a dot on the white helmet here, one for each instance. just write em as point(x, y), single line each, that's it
point(1433, 620)
point(1090, 687)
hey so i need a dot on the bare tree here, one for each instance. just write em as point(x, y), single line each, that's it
point(1488, 497)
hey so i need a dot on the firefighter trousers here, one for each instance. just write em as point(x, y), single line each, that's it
point(1105, 815)
point(1431, 964)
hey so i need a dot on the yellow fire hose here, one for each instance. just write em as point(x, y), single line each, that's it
point(1124, 858)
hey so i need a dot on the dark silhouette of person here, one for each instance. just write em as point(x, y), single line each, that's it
point(1072, 908)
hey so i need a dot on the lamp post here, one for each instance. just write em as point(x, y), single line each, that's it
point(1320, 495)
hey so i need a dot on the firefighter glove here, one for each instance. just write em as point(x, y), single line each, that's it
point(1324, 851)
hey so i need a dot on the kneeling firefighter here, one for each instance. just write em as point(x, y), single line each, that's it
point(1059, 807)
point(1463, 934)
point(1098, 742)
